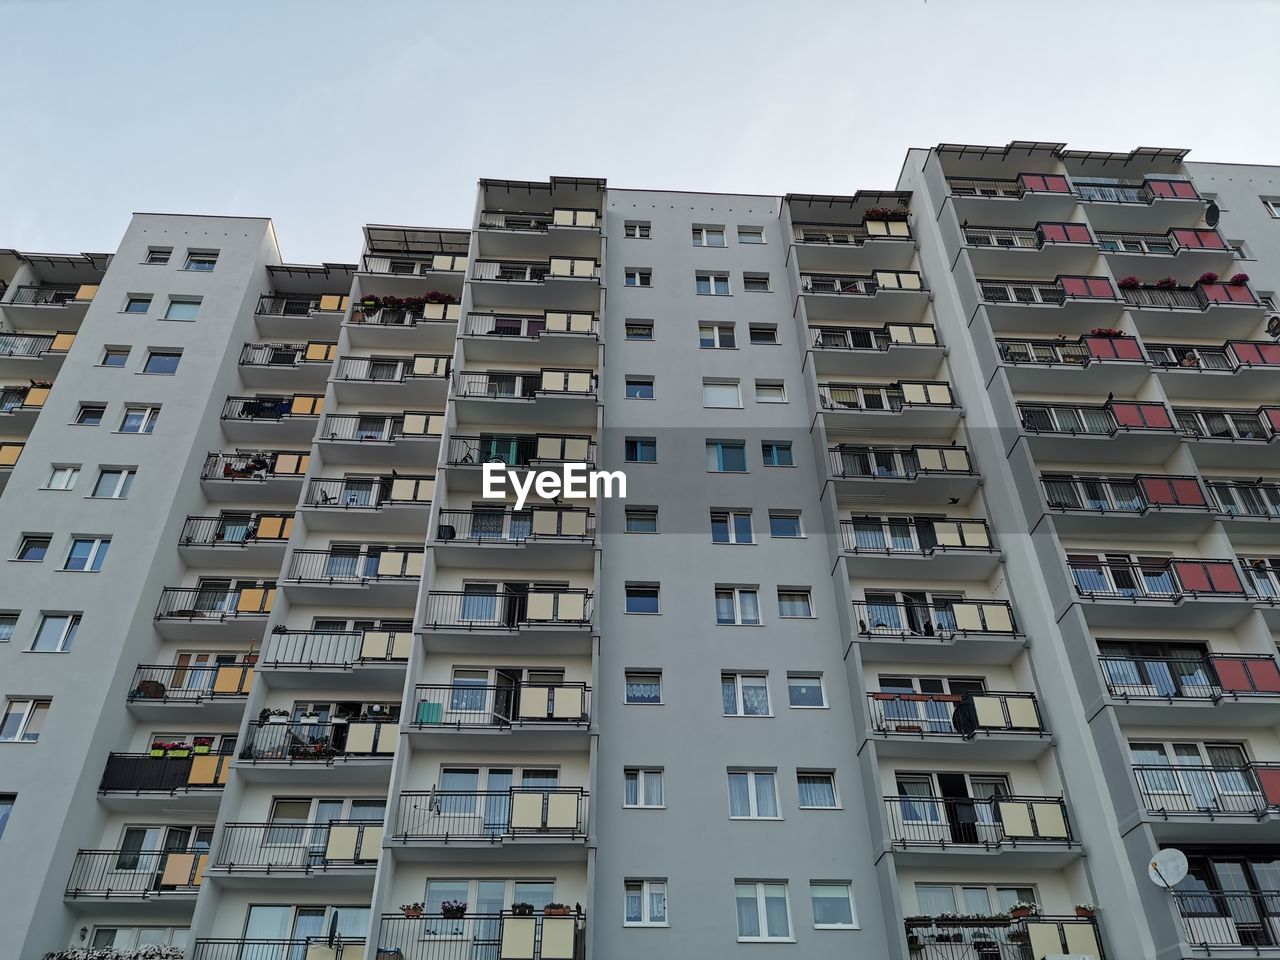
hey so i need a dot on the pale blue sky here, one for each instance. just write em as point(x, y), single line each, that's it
point(326, 115)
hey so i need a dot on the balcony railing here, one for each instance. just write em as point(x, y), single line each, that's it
point(947, 715)
point(372, 428)
point(998, 938)
point(464, 705)
point(1214, 677)
point(1024, 183)
point(1198, 297)
point(851, 234)
point(286, 305)
point(1231, 920)
point(421, 266)
point(369, 494)
point(1232, 355)
point(429, 312)
point(135, 873)
point(25, 345)
point(988, 823)
point(507, 611)
point(355, 566)
point(1223, 424)
point(881, 398)
point(1022, 238)
point(298, 847)
point(492, 814)
point(1240, 499)
point(998, 291)
point(897, 463)
point(364, 369)
point(1162, 580)
point(881, 339)
point(536, 271)
point(520, 449)
point(286, 354)
point(337, 948)
point(208, 603)
point(318, 649)
point(483, 936)
point(526, 386)
point(256, 466)
point(877, 536)
point(1109, 419)
point(531, 327)
point(501, 220)
point(516, 526)
point(1211, 791)
point(1162, 244)
point(1114, 190)
point(272, 408)
point(860, 286)
point(237, 531)
point(45, 295)
point(141, 773)
point(1137, 494)
point(297, 741)
point(191, 683)
point(1083, 350)
point(941, 620)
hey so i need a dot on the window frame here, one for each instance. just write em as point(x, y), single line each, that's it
point(31, 542)
point(73, 469)
point(779, 385)
point(7, 803)
point(762, 917)
point(640, 445)
point(32, 705)
point(731, 517)
point(88, 409)
point(753, 775)
point(99, 547)
point(144, 300)
point(746, 230)
point(643, 278)
point(176, 355)
point(198, 256)
point(126, 478)
point(637, 229)
point(641, 775)
point(157, 256)
point(830, 777)
point(776, 446)
point(640, 382)
point(738, 676)
point(630, 513)
point(123, 353)
point(768, 328)
point(721, 383)
point(712, 280)
point(853, 907)
point(645, 325)
point(796, 592)
point(817, 681)
point(175, 301)
point(735, 596)
point(646, 891)
point(720, 447)
point(757, 278)
point(66, 636)
point(786, 515)
point(151, 415)
point(627, 680)
point(718, 331)
point(645, 588)
point(702, 233)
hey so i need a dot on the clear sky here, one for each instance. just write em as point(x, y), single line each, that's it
point(326, 115)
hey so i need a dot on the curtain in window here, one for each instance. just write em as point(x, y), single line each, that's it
point(755, 700)
point(816, 791)
point(775, 910)
point(748, 911)
point(739, 795)
point(868, 535)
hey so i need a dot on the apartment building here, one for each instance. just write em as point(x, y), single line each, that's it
point(941, 598)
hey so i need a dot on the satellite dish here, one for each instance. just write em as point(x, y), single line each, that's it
point(1168, 868)
point(1211, 214)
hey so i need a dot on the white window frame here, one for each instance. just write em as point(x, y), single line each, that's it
point(65, 636)
point(9, 621)
point(768, 385)
point(127, 476)
point(637, 512)
point(702, 235)
point(796, 591)
point(643, 776)
point(739, 686)
point(642, 276)
point(191, 301)
point(637, 230)
point(853, 907)
point(1273, 206)
point(789, 515)
point(32, 540)
point(724, 385)
point(753, 796)
point(109, 352)
point(646, 324)
point(657, 591)
point(151, 354)
point(749, 278)
point(158, 255)
point(815, 679)
point(712, 278)
point(98, 547)
point(835, 792)
point(717, 333)
point(84, 408)
point(627, 674)
point(745, 231)
point(762, 915)
point(737, 594)
point(769, 328)
point(28, 709)
point(150, 416)
point(639, 381)
point(646, 889)
point(201, 256)
point(145, 299)
point(730, 517)
point(67, 473)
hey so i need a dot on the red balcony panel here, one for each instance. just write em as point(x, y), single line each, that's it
point(1265, 675)
point(1176, 189)
point(1172, 492)
point(1208, 576)
point(1199, 239)
point(1224, 578)
point(1142, 416)
point(1247, 675)
point(1188, 493)
point(1273, 417)
point(1256, 352)
point(1226, 293)
point(1114, 348)
point(1065, 233)
point(1192, 576)
point(1269, 780)
point(1044, 183)
point(1097, 288)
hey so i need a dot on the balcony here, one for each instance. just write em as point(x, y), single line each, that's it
point(999, 938)
point(288, 365)
point(897, 296)
point(1065, 303)
point(1085, 433)
point(568, 232)
point(141, 781)
point(338, 752)
point(554, 622)
point(1122, 592)
point(1230, 437)
point(545, 538)
point(1150, 203)
point(178, 694)
point(214, 612)
point(1173, 310)
point(904, 475)
point(543, 936)
point(521, 823)
point(1060, 248)
point(1248, 509)
point(311, 948)
point(299, 315)
point(259, 538)
point(37, 356)
point(896, 630)
point(906, 349)
point(9, 452)
point(1218, 689)
point(268, 476)
point(20, 406)
point(565, 397)
point(367, 438)
point(551, 336)
point(1131, 505)
point(519, 451)
point(1232, 922)
point(567, 283)
point(413, 323)
point(1187, 252)
point(1239, 370)
point(994, 725)
point(383, 504)
point(372, 576)
point(421, 379)
point(50, 306)
point(1023, 200)
point(887, 244)
point(289, 419)
point(940, 830)
point(339, 850)
point(295, 658)
point(523, 715)
point(136, 874)
point(1087, 365)
point(918, 547)
point(1196, 793)
point(925, 408)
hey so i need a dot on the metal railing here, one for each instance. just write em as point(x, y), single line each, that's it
point(317, 648)
point(204, 603)
point(520, 449)
point(1174, 298)
point(139, 773)
point(285, 305)
point(1011, 237)
point(879, 536)
point(1170, 579)
point(265, 408)
point(1020, 291)
point(366, 369)
point(477, 936)
point(999, 938)
point(1117, 191)
point(525, 386)
point(350, 426)
point(941, 620)
point(1072, 420)
point(1233, 919)
point(1226, 424)
point(984, 187)
point(1043, 351)
point(191, 683)
point(988, 822)
point(1209, 677)
point(407, 265)
point(135, 873)
point(339, 948)
point(311, 741)
point(433, 312)
point(280, 354)
point(860, 286)
point(24, 345)
point(525, 326)
point(874, 398)
point(948, 715)
point(501, 220)
point(507, 611)
point(13, 398)
point(516, 526)
point(1237, 499)
point(45, 295)
point(259, 466)
point(842, 234)
point(355, 566)
point(897, 463)
point(242, 531)
point(1205, 789)
point(298, 847)
point(1155, 244)
point(512, 271)
point(492, 814)
point(462, 705)
point(1123, 494)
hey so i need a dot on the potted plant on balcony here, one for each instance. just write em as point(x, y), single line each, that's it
point(440, 296)
point(1111, 332)
point(202, 744)
point(887, 213)
point(556, 910)
point(1023, 909)
point(1208, 277)
point(522, 909)
point(1086, 911)
point(413, 910)
point(1129, 283)
point(158, 748)
point(453, 909)
point(1167, 283)
point(1239, 279)
point(177, 750)
point(267, 715)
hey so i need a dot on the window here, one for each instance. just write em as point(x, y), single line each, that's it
point(642, 599)
point(832, 903)
point(755, 282)
point(137, 304)
point(8, 622)
point(33, 549)
point(158, 254)
point(764, 333)
point(716, 336)
point(115, 357)
point(182, 308)
point(745, 694)
point(644, 686)
point(139, 419)
point(726, 456)
point(739, 606)
point(636, 229)
point(639, 329)
point(708, 236)
point(751, 234)
point(639, 278)
point(720, 393)
point(201, 261)
point(128, 939)
point(784, 524)
point(57, 633)
point(646, 903)
point(62, 478)
point(642, 520)
point(113, 483)
point(805, 690)
point(731, 526)
point(770, 391)
point(1272, 205)
point(794, 603)
point(91, 414)
point(763, 911)
point(639, 388)
point(711, 284)
point(643, 787)
point(776, 453)
point(753, 794)
point(162, 362)
point(87, 554)
point(23, 720)
point(6, 808)
point(817, 790)
point(641, 450)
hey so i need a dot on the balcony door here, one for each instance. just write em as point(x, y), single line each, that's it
point(1156, 670)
